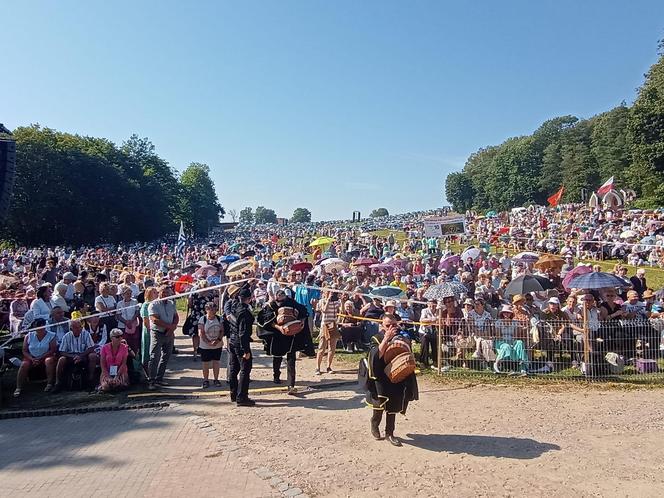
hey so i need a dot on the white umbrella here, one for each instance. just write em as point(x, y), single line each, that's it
point(628, 234)
point(471, 252)
point(331, 264)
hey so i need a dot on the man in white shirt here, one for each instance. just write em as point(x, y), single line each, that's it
point(505, 261)
point(77, 349)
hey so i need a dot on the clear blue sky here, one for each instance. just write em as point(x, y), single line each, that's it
point(330, 105)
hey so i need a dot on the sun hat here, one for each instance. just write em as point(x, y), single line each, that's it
point(506, 308)
point(517, 298)
point(391, 303)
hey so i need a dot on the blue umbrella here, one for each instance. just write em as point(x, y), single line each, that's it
point(387, 291)
point(229, 258)
point(649, 241)
point(598, 280)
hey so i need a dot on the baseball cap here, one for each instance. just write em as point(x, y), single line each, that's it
point(554, 300)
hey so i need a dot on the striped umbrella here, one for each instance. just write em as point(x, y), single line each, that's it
point(239, 267)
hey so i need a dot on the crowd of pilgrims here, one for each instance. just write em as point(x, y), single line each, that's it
point(56, 293)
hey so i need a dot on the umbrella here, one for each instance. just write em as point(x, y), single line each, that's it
point(387, 291)
point(183, 284)
point(448, 262)
point(248, 254)
point(471, 252)
point(331, 264)
point(527, 257)
point(239, 267)
point(233, 247)
point(549, 261)
point(628, 234)
point(491, 214)
point(598, 280)
point(229, 258)
point(523, 284)
point(446, 289)
point(365, 262)
point(322, 241)
point(277, 256)
point(381, 267)
point(573, 273)
point(302, 266)
point(204, 269)
point(189, 269)
point(649, 241)
point(544, 282)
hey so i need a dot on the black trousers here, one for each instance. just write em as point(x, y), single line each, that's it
point(429, 342)
point(290, 368)
point(389, 422)
point(238, 365)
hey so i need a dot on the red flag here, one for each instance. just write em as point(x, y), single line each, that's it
point(555, 198)
point(607, 186)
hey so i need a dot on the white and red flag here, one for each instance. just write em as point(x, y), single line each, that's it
point(607, 186)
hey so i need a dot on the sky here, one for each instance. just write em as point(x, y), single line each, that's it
point(335, 106)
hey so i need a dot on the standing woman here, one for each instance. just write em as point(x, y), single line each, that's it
point(114, 372)
point(105, 302)
point(329, 307)
point(17, 310)
point(151, 294)
point(128, 318)
point(210, 334)
point(197, 308)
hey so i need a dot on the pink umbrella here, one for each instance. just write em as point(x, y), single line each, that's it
point(575, 272)
point(365, 262)
point(449, 262)
point(381, 267)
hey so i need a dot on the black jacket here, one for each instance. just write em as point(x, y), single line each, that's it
point(240, 322)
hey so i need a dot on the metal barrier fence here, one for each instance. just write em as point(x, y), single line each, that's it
point(622, 350)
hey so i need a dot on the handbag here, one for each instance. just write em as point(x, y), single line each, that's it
point(130, 327)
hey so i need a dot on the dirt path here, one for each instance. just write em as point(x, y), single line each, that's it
point(479, 441)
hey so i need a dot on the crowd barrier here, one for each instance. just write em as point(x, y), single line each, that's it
point(626, 350)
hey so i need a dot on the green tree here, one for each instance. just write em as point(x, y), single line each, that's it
point(301, 215)
point(646, 132)
point(264, 215)
point(199, 206)
point(610, 143)
point(246, 215)
point(459, 191)
point(377, 213)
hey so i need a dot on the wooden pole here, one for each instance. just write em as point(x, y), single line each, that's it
point(439, 346)
point(586, 345)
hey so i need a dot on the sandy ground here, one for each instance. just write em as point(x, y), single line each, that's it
point(458, 441)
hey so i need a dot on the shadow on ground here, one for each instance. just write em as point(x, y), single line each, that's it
point(481, 446)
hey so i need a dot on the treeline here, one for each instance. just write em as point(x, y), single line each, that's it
point(625, 142)
point(72, 189)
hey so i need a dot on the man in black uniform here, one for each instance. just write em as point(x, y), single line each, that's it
point(240, 322)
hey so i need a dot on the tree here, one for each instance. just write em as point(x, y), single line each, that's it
point(199, 206)
point(301, 215)
point(459, 191)
point(264, 215)
point(646, 132)
point(377, 213)
point(246, 215)
point(233, 214)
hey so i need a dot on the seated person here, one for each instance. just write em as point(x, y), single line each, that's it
point(76, 349)
point(350, 327)
point(57, 323)
point(39, 354)
point(113, 359)
point(556, 334)
point(508, 345)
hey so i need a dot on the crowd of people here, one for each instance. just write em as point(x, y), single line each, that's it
point(103, 315)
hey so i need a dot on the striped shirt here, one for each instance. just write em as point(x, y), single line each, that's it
point(76, 345)
point(330, 312)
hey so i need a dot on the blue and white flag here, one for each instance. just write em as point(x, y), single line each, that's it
point(182, 240)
